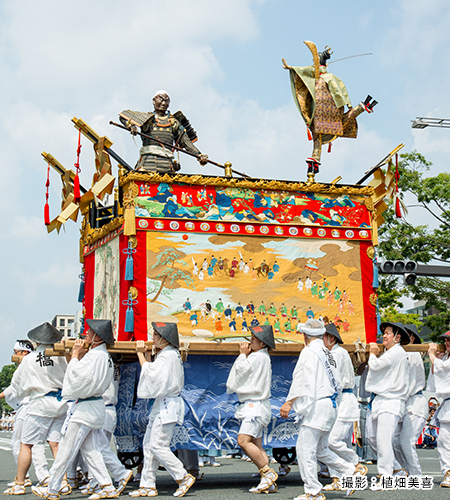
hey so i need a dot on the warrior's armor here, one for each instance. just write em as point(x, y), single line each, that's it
point(169, 129)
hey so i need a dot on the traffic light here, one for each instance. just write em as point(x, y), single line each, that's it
point(405, 267)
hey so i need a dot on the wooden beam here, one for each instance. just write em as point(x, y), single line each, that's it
point(219, 349)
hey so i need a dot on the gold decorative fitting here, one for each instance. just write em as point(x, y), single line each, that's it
point(370, 252)
point(134, 292)
point(103, 231)
point(228, 169)
point(373, 299)
point(200, 180)
point(369, 204)
point(133, 240)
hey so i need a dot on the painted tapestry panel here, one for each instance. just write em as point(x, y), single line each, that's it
point(214, 286)
point(106, 283)
point(232, 204)
point(209, 420)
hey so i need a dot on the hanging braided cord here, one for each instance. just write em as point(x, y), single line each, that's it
point(77, 164)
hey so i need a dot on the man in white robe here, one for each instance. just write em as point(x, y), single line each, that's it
point(20, 404)
point(416, 409)
point(441, 419)
point(250, 378)
point(340, 438)
point(40, 378)
point(389, 380)
point(313, 394)
point(119, 473)
point(163, 381)
point(88, 375)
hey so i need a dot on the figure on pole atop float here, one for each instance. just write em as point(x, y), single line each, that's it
point(321, 97)
point(166, 130)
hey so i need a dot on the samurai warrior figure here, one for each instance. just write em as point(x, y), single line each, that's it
point(166, 130)
point(321, 97)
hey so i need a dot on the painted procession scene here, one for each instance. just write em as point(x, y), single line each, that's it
point(215, 286)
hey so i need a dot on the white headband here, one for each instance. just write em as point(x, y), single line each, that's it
point(159, 92)
point(18, 346)
point(312, 332)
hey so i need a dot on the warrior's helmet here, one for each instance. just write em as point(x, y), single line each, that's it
point(325, 55)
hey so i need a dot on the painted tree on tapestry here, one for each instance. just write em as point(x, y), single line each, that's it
point(107, 273)
point(170, 275)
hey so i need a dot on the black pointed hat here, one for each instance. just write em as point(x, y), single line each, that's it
point(167, 330)
point(45, 334)
point(103, 328)
point(412, 330)
point(332, 330)
point(398, 328)
point(264, 333)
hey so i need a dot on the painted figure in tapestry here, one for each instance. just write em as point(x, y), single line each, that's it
point(321, 97)
point(166, 130)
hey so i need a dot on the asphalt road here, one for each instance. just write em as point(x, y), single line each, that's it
point(233, 479)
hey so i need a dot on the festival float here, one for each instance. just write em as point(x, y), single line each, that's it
point(218, 254)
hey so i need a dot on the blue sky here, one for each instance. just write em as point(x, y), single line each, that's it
point(221, 64)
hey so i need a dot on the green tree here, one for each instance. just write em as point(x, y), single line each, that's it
point(6, 374)
point(400, 240)
point(167, 272)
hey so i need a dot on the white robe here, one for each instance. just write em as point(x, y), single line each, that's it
point(311, 389)
point(36, 376)
point(348, 409)
point(442, 384)
point(20, 404)
point(389, 379)
point(85, 378)
point(416, 404)
point(163, 379)
point(110, 398)
point(340, 438)
point(88, 378)
point(414, 418)
point(251, 378)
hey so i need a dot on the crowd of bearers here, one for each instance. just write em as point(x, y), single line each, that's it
point(321, 397)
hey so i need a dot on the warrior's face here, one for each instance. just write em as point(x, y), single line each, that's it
point(161, 102)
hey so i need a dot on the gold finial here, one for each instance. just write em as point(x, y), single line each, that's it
point(228, 170)
point(311, 178)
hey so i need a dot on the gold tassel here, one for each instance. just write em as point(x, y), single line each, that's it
point(129, 204)
point(129, 228)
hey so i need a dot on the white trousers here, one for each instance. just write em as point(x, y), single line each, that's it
point(312, 445)
point(78, 437)
point(37, 452)
point(156, 447)
point(382, 440)
point(443, 446)
point(411, 429)
point(113, 464)
point(340, 441)
point(76, 463)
